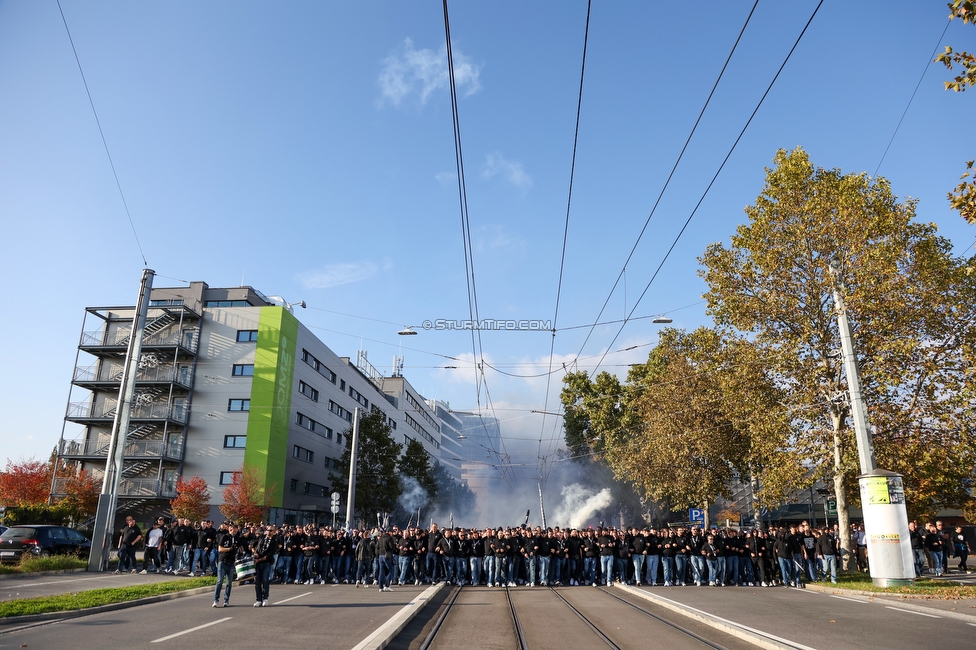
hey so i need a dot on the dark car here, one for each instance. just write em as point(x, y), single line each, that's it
point(42, 541)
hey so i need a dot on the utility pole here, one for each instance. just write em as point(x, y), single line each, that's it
point(105, 513)
point(891, 560)
point(353, 454)
point(865, 446)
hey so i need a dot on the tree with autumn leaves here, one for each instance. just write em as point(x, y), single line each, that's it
point(192, 499)
point(963, 197)
point(764, 396)
point(245, 499)
point(26, 485)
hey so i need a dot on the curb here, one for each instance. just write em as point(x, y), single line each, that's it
point(32, 620)
point(382, 636)
point(756, 637)
point(8, 576)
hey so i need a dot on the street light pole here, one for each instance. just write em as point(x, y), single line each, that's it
point(107, 500)
point(353, 454)
point(882, 493)
point(865, 446)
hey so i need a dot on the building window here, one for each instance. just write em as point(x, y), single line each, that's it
point(172, 302)
point(306, 422)
point(239, 405)
point(294, 485)
point(234, 442)
point(338, 438)
point(227, 303)
point(243, 370)
point(325, 431)
point(301, 453)
point(356, 395)
point(247, 336)
point(342, 384)
point(341, 412)
point(319, 367)
point(227, 478)
point(308, 391)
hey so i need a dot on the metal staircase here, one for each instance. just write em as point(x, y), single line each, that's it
point(157, 324)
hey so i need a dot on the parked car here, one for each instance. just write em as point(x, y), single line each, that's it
point(42, 541)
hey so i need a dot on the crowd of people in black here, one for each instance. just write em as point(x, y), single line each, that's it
point(513, 556)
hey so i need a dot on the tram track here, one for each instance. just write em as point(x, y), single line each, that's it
point(431, 638)
point(613, 627)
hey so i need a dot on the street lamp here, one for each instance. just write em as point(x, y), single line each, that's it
point(407, 331)
point(662, 320)
point(287, 305)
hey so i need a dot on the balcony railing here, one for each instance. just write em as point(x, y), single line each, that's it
point(178, 411)
point(133, 448)
point(188, 339)
point(146, 487)
point(132, 487)
point(112, 372)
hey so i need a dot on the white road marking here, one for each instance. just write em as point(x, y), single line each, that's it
point(307, 593)
point(192, 629)
point(812, 592)
point(908, 611)
point(853, 600)
point(57, 582)
point(681, 606)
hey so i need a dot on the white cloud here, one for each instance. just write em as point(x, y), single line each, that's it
point(497, 165)
point(446, 178)
point(421, 72)
point(334, 275)
point(494, 237)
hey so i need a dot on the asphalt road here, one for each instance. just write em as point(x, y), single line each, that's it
point(340, 616)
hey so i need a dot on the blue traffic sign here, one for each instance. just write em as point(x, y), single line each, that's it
point(696, 516)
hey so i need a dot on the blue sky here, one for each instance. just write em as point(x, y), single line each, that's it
point(307, 148)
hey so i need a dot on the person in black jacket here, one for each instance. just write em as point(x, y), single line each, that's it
point(827, 549)
point(263, 550)
point(384, 553)
point(227, 546)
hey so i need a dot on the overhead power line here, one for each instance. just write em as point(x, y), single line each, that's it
point(716, 175)
point(667, 182)
point(102, 134)
point(562, 257)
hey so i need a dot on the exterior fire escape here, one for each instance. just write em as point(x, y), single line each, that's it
point(156, 438)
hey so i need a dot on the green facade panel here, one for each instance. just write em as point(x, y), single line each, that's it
point(270, 414)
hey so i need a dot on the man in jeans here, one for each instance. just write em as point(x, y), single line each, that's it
point(179, 541)
point(263, 549)
point(131, 535)
point(827, 546)
point(935, 544)
point(226, 556)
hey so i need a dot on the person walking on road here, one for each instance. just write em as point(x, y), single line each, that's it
point(154, 537)
point(263, 550)
point(131, 535)
point(226, 556)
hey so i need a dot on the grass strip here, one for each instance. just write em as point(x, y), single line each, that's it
point(53, 563)
point(96, 597)
point(923, 587)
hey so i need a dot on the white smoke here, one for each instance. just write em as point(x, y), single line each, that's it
point(578, 505)
point(414, 496)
